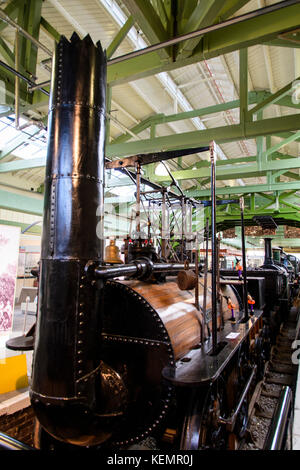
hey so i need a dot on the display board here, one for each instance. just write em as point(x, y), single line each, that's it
point(9, 252)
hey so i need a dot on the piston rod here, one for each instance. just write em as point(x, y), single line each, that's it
point(138, 268)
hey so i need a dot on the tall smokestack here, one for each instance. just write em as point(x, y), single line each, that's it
point(268, 252)
point(66, 353)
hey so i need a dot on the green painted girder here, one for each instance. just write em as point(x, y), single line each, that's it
point(248, 189)
point(213, 44)
point(21, 203)
point(272, 98)
point(149, 21)
point(253, 98)
point(11, 10)
point(223, 134)
point(18, 165)
point(49, 29)
point(113, 46)
point(204, 14)
point(231, 171)
point(29, 18)
point(35, 229)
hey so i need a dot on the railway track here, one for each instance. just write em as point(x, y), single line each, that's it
point(279, 373)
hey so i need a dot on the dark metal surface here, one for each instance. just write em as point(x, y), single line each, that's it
point(66, 359)
point(20, 343)
point(200, 367)
point(145, 159)
point(140, 268)
point(245, 293)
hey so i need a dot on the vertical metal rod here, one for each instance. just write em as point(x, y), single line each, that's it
point(182, 225)
point(205, 275)
point(246, 316)
point(213, 248)
point(138, 200)
point(17, 82)
point(197, 283)
point(219, 295)
point(163, 225)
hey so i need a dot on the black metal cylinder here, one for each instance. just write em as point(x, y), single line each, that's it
point(66, 352)
point(268, 252)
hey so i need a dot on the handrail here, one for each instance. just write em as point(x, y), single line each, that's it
point(230, 422)
point(275, 439)
point(9, 443)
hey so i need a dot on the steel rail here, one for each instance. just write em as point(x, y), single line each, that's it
point(277, 431)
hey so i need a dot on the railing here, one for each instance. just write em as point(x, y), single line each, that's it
point(9, 443)
point(278, 431)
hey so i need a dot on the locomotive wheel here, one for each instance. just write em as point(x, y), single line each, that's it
point(201, 427)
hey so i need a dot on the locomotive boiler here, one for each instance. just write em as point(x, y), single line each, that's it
point(122, 352)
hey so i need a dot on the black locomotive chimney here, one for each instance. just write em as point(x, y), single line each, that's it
point(268, 252)
point(66, 365)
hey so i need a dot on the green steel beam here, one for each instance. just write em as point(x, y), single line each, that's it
point(253, 97)
point(222, 134)
point(7, 53)
point(29, 18)
point(21, 203)
point(230, 7)
point(34, 230)
point(230, 171)
point(273, 98)
point(204, 14)
point(228, 39)
point(149, 21)
point(256, 188)
point(113, 46)
point(11, 10)
point(243, 82)
point(286, 141)
point(19, 165)
point(50, 30)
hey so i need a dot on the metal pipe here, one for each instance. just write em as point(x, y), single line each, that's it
point(275, 439)
point(213, 249)
point(11, 22)
point(20, 75)
point(66, 348)
point(9, 443)
point(17, 83)
point(38, 86)
point(138, 268)
point(202, 31)
point(138, 200)
point(163, 226)
point(205, 277)
point(245, 293)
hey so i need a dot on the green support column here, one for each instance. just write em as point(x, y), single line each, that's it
point(243, 76)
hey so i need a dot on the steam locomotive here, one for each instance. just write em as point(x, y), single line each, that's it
point(127, 351)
